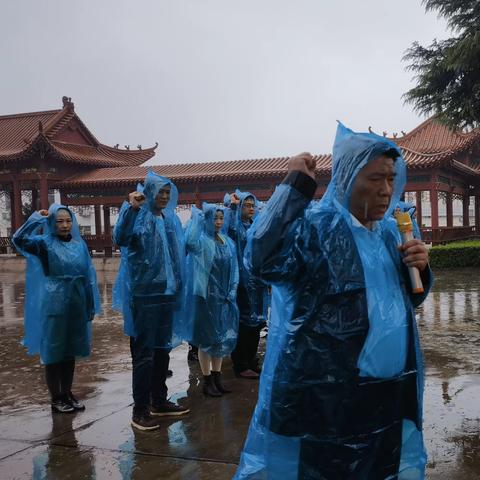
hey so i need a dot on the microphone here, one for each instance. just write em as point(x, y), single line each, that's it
point(404, 224)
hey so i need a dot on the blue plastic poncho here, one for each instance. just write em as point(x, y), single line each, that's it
point(408, 207)
point(342, 383)
point(149, 289)
point(211, 313)
point(252, 297)
point(61, 294)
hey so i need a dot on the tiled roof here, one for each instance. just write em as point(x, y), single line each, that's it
point(18, 131)
point(195, 172)
point(431, 137)
point(21, 134)
point(101, 155)
point(427, 145)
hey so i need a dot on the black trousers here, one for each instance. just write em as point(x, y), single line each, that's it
point(244, 356)
point(59, 378)
point(152, 317)
point(375, 457)
point(149, 376)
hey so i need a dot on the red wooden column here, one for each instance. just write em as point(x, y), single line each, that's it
point(434, 207)
point(466, 213)
point(477, 213)
point(98, 220)
point(12, 211)
point(107, 227)
point(17, 204)
point(418, 202)
point(449, 209)
point(43, 191)
point(35, 205)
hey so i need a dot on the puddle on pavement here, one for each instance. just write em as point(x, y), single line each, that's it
point(449, 323)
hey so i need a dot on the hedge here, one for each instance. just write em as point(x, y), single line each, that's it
point(456, 254)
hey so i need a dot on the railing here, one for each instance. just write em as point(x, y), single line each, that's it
point(439, 235)
point(99, 243)
point(435, 236)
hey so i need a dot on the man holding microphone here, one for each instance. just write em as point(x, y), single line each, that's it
point(342, 383)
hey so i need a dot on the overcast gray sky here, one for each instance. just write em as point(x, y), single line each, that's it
point(215, 79)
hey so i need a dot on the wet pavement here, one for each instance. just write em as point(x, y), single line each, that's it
point(99, 443)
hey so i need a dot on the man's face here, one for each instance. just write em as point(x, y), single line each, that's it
point(218, 221)
point(162, 198)
point(372, 190)
point(63, 221)
point(248, 208)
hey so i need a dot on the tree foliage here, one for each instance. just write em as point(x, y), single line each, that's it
point(447, 72)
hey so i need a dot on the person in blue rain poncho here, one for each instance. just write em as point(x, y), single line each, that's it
point(341, 389)
point(411, 209)
point(252, 295)
point(61, 298)
point(212, 280)
point(149, 292)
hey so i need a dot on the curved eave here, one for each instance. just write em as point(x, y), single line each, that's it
point(66, 153)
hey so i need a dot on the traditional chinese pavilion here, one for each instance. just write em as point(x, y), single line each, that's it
point(54, 150)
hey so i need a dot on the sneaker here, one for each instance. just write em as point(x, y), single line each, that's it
point(168, 408)
point(144, 422)
point(62, 406)
point(77, 405)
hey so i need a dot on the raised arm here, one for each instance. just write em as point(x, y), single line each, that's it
point(272, 252)
point(123, 231)
point(27, 239)
point(194, 231)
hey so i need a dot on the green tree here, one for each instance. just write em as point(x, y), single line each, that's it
point(447, 72)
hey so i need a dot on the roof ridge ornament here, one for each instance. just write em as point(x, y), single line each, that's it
point(67, 103)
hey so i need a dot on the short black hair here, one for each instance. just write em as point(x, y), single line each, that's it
point(392, 153)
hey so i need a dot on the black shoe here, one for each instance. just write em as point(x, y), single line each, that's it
point(144, 422)
point(168, 408)
point(62, 406)
point(192, 355)
point(209, 388)
point(248, 373)
point(75, 403)
point(169, 373)
point(217, 380)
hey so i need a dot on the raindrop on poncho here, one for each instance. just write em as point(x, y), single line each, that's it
point(61, 293)
point(211, 313)
point(150, 281)
point(252, 297)
point(341, 388)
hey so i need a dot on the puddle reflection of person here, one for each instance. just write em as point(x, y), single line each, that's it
point(63, 456)
point(61, 298)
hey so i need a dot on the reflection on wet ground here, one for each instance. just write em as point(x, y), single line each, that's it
point(99, 443)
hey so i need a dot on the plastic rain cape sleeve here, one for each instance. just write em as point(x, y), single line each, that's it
point(256, 290)
point(315, 414)
point(67, 289)
point(152, 266)
point(211, 313)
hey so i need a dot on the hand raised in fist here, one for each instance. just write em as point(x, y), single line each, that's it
point(234, 199)
point(43, 213)
point(304, 162)
point(136, 199)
